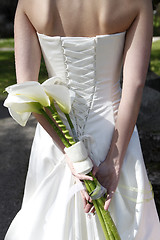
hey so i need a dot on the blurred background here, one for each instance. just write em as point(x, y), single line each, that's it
point(15, 141)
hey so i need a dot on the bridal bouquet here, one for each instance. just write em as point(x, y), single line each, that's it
point(28, 97)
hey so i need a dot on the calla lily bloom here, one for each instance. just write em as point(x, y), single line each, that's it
point(25, 98)
point(32, 90)
point(56, 89)
point(31, 96)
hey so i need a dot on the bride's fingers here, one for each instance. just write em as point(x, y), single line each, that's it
point(74, 173)
point(83, 177)
point(77, 175)
point(87, 201)
point(86, 196)
point(89, 208)
point(108, 200)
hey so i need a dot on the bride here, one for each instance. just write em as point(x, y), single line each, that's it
point(85, 43)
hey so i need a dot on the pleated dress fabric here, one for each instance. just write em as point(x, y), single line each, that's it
point(52, 208)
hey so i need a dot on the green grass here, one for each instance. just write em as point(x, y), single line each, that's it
point(7, 67)
point(7, 43)
point(7, 71)
point(155, 57)
point(156, 24)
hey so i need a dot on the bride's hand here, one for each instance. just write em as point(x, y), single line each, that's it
point(108, 176)
point(87, 200)
point(74, 173)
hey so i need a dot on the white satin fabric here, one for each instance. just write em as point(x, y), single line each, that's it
point(91, 68)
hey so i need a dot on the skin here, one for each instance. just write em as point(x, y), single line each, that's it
point(91, 18)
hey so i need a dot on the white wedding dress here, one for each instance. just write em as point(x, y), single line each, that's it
point(52, 206)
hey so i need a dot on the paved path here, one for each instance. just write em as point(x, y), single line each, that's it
point(6, 49)
point(15, 144)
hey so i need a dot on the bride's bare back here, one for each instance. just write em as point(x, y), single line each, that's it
point(81, 17)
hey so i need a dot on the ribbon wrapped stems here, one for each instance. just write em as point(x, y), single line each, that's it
point(77, 153)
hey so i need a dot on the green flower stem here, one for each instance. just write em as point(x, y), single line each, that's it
point(108, 219)
point(108, 226)
point(72, 127)
point(54, 110)
point(65, 142)
point(100, 205)
point(105, 219)
point(61, 125)
point(57, 130)
point(103, 212)
point(112, 226)
point(112, 230)
point(89, 189)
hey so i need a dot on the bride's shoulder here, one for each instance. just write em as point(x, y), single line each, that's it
point(39, 12)
point(137, 7)
point(35, 6)
point(136, 4)
point(141, 4)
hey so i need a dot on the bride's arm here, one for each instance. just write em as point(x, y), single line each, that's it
point(136, 59)
point(28, 58)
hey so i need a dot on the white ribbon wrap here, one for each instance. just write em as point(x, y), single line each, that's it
point(79, 157)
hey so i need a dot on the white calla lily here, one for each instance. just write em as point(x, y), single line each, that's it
point(20, 118)
point(25, 98)
point(22, 104)
point(56, 89)
point(32, 90)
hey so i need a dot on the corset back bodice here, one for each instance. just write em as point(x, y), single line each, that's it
point(91, 67)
